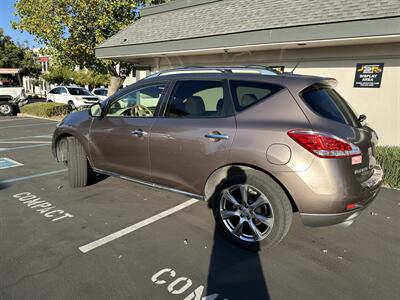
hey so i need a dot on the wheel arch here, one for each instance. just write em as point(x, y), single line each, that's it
point(72, 102)
point(60, 146)
point(6, 98)
point(219, 174)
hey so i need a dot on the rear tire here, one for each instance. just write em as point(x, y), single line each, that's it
point(79, 172)
point(6, 109)
point(275, 209)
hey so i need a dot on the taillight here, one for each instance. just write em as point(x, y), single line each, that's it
point(324, 144)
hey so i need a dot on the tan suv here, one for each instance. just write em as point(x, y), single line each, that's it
point(256, 144)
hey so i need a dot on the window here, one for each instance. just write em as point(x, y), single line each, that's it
point(79, 91)
point(100, 92)
point(200, 99)
point(329, 104)
point(138, 103)
point(247, 93)
point(55, 91)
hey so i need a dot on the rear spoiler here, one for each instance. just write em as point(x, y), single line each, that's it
point(331, 82)
point(325, 83)
point(300, 83)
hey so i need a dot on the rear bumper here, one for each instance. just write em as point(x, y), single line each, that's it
point(371, 189)
point(319, 220)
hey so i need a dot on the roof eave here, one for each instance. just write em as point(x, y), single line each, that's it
point(352, 30)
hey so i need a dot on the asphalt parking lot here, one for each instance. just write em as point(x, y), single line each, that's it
point(161, 245)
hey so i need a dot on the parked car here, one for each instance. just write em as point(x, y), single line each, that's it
point(101, 93)
point(11, 98)
point(74, 96)
point(256, 144)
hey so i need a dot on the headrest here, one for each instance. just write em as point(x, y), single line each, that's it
point(247, 100)
point(220, 104)
point(195, 106)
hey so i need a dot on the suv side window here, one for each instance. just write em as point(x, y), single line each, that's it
point(55, 91)
point(198, 99)
point(247, 93)
point(137, 103)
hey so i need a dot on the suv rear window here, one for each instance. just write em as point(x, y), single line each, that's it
point(247, 93)
point(329, 104)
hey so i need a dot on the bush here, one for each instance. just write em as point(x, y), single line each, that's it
point(45, 109)
point(389, 159)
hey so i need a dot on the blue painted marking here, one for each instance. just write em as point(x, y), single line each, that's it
point(32, 176)
point(6, 163)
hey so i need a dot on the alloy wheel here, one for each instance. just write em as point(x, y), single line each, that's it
point(5, 109)
point(246, 212)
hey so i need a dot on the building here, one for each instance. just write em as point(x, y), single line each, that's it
point(37, 86)
point(356, 42)
point(9, 76)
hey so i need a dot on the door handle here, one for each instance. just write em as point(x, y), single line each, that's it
point(216, 136)
point(138, 133)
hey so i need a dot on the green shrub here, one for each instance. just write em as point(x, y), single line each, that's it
point(45, 109)
point(389, 159)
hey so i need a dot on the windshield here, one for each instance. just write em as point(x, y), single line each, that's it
point(79, 92)
point(101, 92)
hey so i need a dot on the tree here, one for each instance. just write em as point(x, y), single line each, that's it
point(64, 76)
point(59, 75)
point(90, 78)
point(13, 55)
point(71, 29)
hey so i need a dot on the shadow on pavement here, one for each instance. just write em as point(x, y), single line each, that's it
point(3, 185)
point(234, 273)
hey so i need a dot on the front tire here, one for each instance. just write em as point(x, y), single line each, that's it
point(251, 209)
point(71, 105)
point(79, 172)
point(6, 109)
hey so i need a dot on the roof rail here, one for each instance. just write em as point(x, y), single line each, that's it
point(258, 69)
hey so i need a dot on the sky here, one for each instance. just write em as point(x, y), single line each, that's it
point(6, 16)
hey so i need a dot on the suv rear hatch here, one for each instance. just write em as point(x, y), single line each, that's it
point(329, 112)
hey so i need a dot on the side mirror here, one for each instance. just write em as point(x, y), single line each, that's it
point(362, 118)
point(95, 110)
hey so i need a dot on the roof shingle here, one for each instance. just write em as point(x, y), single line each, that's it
point(232, 16)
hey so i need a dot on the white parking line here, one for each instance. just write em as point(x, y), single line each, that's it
point(32, 176)
point(27, 125)
point(16, 119)
point(23, 147)
point(26, 137)
point(93, 245)
point(24, 142)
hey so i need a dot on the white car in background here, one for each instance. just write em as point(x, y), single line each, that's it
point(74, 96)
point(101, 93)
